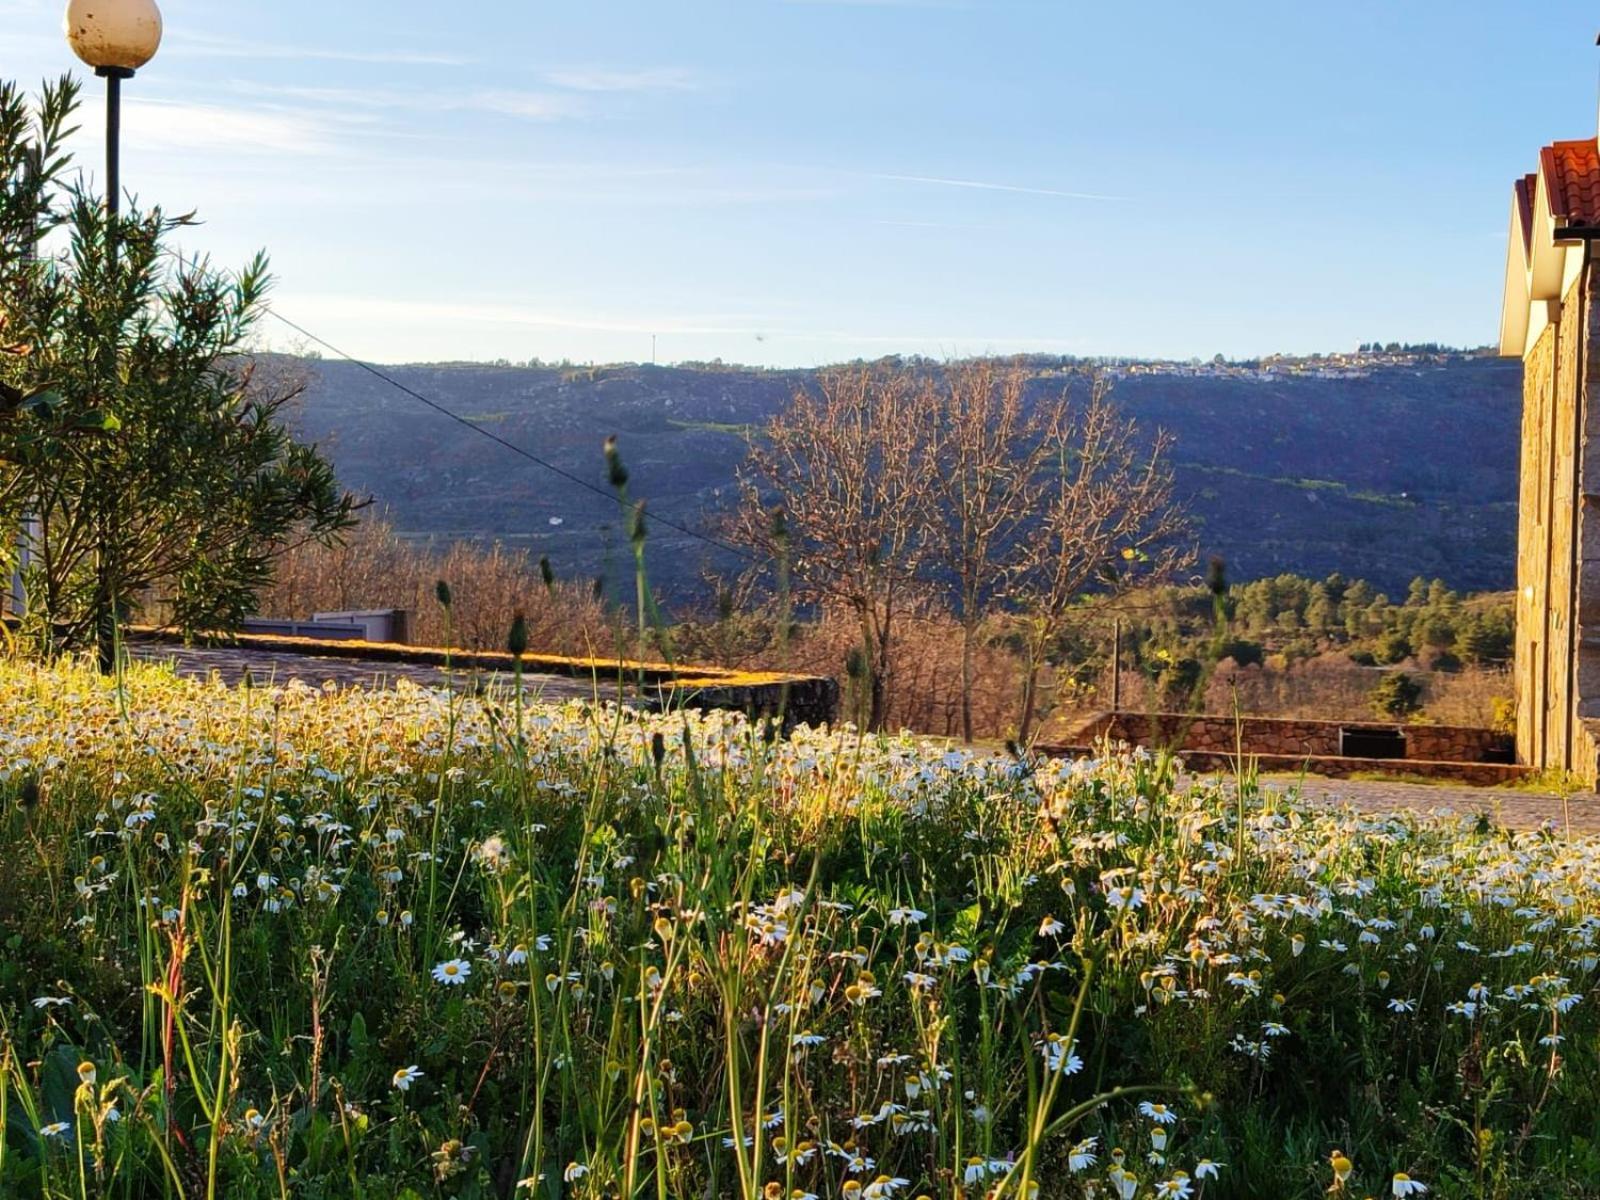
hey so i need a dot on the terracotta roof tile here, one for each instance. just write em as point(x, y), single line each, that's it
point(1525, 188)
point(1572, 171)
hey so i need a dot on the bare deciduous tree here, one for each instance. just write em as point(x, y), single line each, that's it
point(993, 452)
point(898, 486)
point(1109, 520)
point(847, 468)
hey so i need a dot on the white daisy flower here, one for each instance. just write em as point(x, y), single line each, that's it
point(1082, 1156)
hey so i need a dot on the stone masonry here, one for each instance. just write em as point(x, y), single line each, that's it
point(1548, 320)
point(1558, 544)
point(1275, 737)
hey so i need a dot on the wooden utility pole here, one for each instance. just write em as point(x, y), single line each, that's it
point(1116, 667)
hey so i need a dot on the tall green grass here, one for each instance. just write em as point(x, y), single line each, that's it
point(696, 959)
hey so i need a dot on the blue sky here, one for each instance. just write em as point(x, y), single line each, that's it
point(795, 182)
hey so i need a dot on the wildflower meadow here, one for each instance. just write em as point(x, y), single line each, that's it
point(275, 941)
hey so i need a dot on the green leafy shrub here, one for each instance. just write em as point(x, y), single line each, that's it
point(1397, 696)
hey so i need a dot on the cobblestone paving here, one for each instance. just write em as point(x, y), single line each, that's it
point(1514, 809)
point(266, 666)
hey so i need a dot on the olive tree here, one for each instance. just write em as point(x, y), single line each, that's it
point(154, 461)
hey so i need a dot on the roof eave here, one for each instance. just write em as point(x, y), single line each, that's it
point(1514, 306)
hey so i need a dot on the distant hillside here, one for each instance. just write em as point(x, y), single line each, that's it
point(1386, 473)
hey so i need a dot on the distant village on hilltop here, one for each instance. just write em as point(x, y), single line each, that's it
point(1367, 358)
point(1342, 364)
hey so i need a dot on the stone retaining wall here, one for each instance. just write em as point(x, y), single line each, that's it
point(1213, 762)
point(803, 700)
point(1297, 739)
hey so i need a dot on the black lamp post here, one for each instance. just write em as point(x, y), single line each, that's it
point(116, 38)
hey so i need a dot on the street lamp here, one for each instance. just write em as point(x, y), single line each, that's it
point(116, 38)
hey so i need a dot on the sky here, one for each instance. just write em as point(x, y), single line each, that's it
point(798, 182)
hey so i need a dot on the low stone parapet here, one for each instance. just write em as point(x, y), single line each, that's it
point(800, 699)
point(1297, 738)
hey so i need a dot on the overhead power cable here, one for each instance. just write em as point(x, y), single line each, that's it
point(530, 456)
point(521, 451)
point(443, 410)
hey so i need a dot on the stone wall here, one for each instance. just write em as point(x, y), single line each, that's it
point(1533, 541)
point(1469, 773)
point(1558, 544)
point(802, 700)
point(1584, 741)
point(1559, 707)
point(1269, 736)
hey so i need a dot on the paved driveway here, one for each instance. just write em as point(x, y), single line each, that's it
point(1515, 809)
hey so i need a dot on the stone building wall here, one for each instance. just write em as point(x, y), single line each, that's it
point(1533, 548)
point(1558, 544)
point(1558, 706)
point(1585, 737)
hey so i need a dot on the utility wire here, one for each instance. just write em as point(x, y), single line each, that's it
point(521, 451)
point(717, 543)
point(465, 422)
point(728, 547)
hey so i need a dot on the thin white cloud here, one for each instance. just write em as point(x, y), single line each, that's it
point(166, 125)
point(308, 308)
point(332, 96)
point(199, 45)
point(530, 106)
point(929, 225)
point(356, 165)
point(985, 186)
point(946, 4)
point(342, 307)
point(596, 79)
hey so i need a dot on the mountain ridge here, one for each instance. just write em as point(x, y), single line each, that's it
point(1378, 469)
